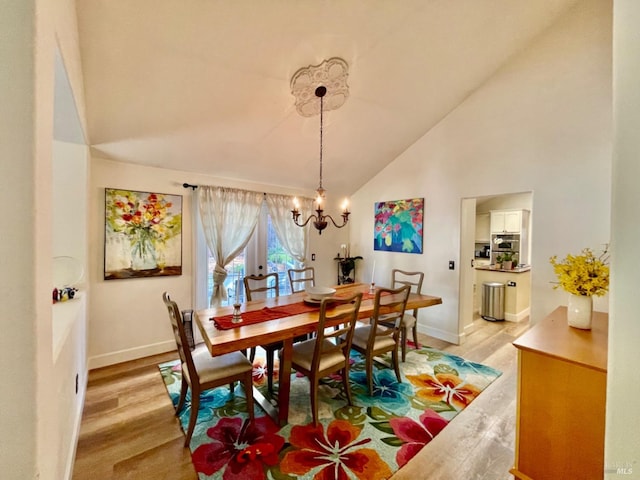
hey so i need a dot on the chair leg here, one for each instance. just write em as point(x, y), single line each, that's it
point(252, 354)
point(314, 399)
point(415, 335)
point(403, 340)
point(195, 406)
point(396, 364)
point(248, 392)
point(270, 363)
point(369, 369)
point(232, 388)
point(183, 395)
point(345, 382)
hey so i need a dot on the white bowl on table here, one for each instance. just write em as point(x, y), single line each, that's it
point(318, 293)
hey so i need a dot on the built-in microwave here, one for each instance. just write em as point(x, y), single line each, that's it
point(501, 242)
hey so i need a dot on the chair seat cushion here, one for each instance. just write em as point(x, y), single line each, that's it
point(215, 368)
point(303, 355)
point(361, 338)
point(408, 321)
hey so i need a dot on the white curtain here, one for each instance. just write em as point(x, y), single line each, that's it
point(229, 217)
point(292, 237)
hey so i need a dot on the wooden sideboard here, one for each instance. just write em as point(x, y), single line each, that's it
point(560, 418)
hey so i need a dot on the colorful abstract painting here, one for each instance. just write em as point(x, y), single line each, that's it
point(143, 234)
point(398, 226)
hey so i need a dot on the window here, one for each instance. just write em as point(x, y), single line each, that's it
point(264, 248)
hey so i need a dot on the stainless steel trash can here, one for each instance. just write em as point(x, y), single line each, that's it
point(492, 301)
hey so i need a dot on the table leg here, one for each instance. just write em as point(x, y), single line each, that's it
point(284, 382)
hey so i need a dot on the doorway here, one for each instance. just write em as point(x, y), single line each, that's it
point(475, 233)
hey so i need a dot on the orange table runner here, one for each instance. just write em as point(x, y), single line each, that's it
point(271, 313)
point(267, 313)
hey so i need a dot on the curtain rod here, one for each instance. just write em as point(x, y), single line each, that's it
point(188, 185)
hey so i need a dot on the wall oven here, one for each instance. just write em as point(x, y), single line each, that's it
point(503, 243)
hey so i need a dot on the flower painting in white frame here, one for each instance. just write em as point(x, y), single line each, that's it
point(143, 234)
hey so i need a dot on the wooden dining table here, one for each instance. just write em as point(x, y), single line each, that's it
point(285, 329)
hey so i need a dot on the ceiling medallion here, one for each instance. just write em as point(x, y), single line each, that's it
point(332, 74)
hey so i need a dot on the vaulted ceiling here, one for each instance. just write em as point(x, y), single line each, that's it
point(204, 85)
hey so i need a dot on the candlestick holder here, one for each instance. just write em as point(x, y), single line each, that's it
point(372, 287)
point(236, 318)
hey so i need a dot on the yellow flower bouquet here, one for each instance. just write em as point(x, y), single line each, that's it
point(583, 274)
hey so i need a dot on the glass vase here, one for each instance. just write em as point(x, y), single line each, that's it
point(580, 311)
point(143, 252)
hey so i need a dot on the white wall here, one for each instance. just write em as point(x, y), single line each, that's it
point(623, 378)
point(541, 124)
point(18, 345)
point(127, 317)
point(70, 176)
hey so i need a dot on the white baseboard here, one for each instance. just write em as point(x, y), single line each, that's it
point(130, 354)
point(517, 317)
point(456, 339)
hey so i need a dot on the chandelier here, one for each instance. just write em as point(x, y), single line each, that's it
point(319, 218)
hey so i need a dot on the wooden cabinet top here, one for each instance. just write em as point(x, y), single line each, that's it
point(554, 337)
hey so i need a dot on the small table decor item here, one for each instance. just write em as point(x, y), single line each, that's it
point(582, 276)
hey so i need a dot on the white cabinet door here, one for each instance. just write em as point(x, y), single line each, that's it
point(482, 228)
point(497, 222)
point(506, 221)
point(513, 221)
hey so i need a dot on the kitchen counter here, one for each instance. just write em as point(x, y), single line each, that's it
point(492, 268)
point(517, 294)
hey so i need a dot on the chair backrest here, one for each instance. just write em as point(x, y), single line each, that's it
point(413, 279)
point(388, 306)
point(261, 283)
point(182, 341)
point(301, 278)
point(336, 321)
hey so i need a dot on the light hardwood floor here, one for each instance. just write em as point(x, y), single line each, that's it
point(128, 429)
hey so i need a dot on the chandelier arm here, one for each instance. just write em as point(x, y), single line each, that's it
point(295, 220)
point(344, 220)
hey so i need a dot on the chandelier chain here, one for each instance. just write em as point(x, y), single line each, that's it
point(321, 125)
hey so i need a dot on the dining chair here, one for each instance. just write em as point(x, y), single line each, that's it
point(409, 320)
point(301, 278)
point(328, 351)
point(261, 283)
point(382, 334)
point(201, 371)
point(268, 284)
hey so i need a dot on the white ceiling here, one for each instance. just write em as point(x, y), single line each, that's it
point(203, 85)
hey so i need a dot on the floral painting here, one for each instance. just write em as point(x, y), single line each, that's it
point(143, 234)
point(398, 226)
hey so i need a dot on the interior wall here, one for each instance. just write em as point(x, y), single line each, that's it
point(127, 317)
point(622, 457)
point(542, 119)
point(517, 201)
point(18, 347)
point(70, 175)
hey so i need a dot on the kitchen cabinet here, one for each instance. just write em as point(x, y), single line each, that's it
point(562, 382)
point(509, 221)
point(483, 228)
point(517, 293)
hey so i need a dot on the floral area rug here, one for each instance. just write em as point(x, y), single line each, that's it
point(370, 440)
